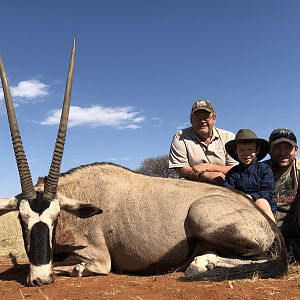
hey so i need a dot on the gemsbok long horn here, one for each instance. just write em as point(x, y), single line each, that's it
point(52, 180)
point(24, 172)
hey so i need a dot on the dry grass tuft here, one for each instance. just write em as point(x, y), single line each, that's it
point(11, 240)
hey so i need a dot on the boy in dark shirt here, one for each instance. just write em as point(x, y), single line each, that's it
point(250, 176)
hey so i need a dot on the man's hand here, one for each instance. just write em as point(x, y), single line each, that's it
point(201, 168)
point(212, 177)
point(205, 172)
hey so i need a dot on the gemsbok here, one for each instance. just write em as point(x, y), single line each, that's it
point(148, 224)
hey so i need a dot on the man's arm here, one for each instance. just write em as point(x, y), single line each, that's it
point(188, 173)
point(209, 167)
point(205, 172)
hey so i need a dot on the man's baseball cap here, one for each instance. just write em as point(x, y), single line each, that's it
point(203, 104)
point(282, 135)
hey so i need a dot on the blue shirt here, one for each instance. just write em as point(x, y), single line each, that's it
point(256, 180)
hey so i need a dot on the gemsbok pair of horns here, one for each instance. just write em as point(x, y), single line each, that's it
point(28, 190)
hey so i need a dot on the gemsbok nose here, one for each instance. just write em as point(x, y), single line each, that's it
point(38, 278)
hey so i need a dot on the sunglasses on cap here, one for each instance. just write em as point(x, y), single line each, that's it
point(282, 134)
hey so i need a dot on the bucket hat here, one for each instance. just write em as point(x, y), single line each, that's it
point(244, 136)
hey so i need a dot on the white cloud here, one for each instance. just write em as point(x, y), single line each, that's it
point(113, 159)
point(28, 90)
point(157, 122)
point(181, 126)
point(118, 117)
point(156, 119)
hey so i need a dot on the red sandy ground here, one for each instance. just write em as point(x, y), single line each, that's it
point(171, 286)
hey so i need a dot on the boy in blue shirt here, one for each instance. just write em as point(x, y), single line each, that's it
point(251, 176)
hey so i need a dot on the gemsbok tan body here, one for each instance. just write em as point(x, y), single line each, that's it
point(148, 224)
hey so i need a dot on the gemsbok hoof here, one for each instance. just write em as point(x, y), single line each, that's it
point(78, 270)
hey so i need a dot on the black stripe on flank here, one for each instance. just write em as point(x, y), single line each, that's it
point(39, 251)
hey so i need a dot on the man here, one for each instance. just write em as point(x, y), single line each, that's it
point(286, 170)
point(198, 153)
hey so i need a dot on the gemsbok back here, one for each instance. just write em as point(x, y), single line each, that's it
point(148, 224)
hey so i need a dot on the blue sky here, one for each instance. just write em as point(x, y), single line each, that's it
point(139, 67)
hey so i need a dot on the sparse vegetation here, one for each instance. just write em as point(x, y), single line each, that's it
point(157, 166)
point(11, 240)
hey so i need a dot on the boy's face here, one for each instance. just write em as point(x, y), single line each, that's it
point(246, 152)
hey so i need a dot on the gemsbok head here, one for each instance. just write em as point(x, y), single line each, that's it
point(39, 210)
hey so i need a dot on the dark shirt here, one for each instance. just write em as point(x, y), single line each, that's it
point(255, 180)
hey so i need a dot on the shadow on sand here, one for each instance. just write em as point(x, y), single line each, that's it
point(16, 273)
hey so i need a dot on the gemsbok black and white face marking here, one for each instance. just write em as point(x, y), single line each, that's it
point(38, 220)
point(39, 210)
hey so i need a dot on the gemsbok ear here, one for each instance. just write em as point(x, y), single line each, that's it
point(79, 209)
point(7, 205)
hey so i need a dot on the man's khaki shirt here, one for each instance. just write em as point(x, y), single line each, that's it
point(188, 150)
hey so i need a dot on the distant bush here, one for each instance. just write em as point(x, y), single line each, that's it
point(157, 167)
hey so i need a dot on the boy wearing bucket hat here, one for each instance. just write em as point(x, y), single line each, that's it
point(251, 176)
